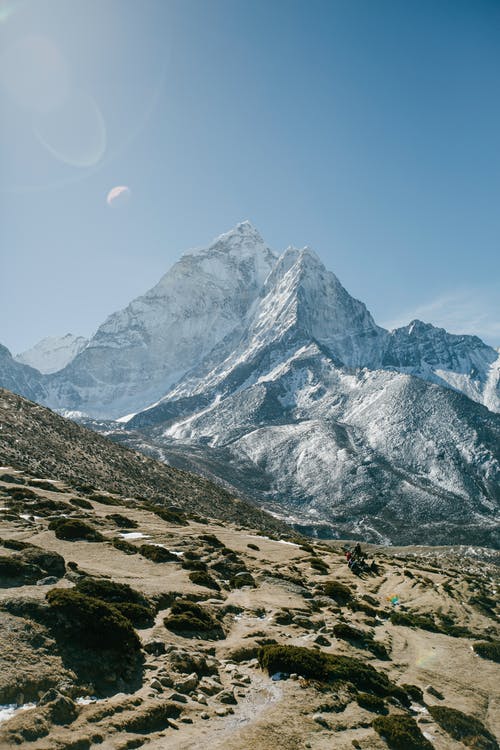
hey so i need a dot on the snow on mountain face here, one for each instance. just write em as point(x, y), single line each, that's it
point(464, 363)
point(53, 353)
point(373, 453)
point(138, 353)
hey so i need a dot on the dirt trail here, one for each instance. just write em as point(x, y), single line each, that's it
point(214, 734)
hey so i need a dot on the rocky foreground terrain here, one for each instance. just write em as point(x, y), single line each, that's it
point(127, 624)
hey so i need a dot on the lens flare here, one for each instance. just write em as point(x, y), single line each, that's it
point(426, 659)
point(34, 74)
point(75, 132)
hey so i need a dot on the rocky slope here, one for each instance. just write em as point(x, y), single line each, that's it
point(35, 439)
point(123, 628)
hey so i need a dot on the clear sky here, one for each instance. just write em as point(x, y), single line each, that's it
point(366, 129)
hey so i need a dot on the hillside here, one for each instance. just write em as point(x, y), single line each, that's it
point(122, 628)
point(34, 439)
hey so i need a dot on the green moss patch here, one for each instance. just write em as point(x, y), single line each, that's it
point(324, 667)
point(189, 618)
point(360, 638)
point(242, 579)
point(201, 578)
point(371, 702)
point(488, 650)
point(122, 521)
point(74, 529)
point(92, 622)
point(124, 546)
point(338, 591)
point(401, 732)
point(463, 727)
point(157, 554)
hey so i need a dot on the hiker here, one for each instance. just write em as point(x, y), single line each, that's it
point(357, 551)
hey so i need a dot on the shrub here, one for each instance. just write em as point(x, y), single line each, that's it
point(303, 661)
point(193, 565)
point(139, 615)
point(21, 493)
point(157, 554)
point(105, 499)
point(338, 591)
point(188, 617)
point(109, 591)
point(253, 546)
point(410, 620)
point(242, 579)
point(189, 554)
point(200, 578)
point(122, 521)
point(81, 503)
point(325, 667)
point(464, 728)
point(244, 653)
point(414, 692)
point(73, 529)
point(371, 703)
point(92, 622)
point(358, 606)
point(318, 564)
point(401, 732)
point(14, 544)
point(488, 650)
point(124, 546)
point(169, 515)
point(307, 548)
point(348, 633)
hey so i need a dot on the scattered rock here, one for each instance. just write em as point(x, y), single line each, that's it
point(227, 696)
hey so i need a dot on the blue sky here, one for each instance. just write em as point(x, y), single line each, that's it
point(366, 129)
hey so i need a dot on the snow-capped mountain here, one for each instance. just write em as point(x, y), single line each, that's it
point(264, 372)
point(139, 352)
point(313, 417)
point(53, 353)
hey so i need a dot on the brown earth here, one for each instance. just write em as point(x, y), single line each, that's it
point(188, 690)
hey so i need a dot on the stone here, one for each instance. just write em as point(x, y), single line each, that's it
point(224, 711)
point(227, 696)
point(209, 686)
point(156, 685)
point(178, 697)
point(47, 581)
point(186, 684)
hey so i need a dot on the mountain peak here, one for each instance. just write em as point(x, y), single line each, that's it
point(242, 234)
